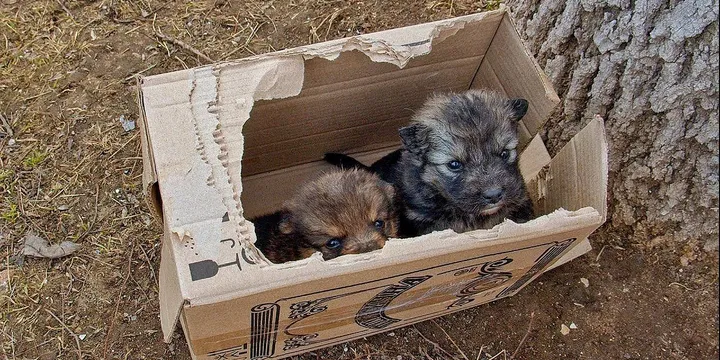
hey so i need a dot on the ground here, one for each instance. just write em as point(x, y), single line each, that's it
point(69, 171)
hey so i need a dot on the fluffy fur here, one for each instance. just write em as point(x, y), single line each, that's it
point(458, 166)
point(342, 212)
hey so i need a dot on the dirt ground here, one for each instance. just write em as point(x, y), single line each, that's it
point(69, 171)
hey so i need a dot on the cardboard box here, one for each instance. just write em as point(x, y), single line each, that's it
point(232, 140)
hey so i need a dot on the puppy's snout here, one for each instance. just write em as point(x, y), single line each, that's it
point(364, 243)
point(493, 196)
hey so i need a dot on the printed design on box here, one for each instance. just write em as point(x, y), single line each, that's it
point(541, 262)
point(489, 277)
point(372, 313)
point(302, 310)
point(263, 330)
point(299, 322)
point(234, 353)
point(205, 269)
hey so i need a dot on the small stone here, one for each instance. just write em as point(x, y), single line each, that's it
point(82, 336)
point(573, 326)
point(63, 207)
point(5, 279)
point(11, 142)
point(585, 282)
point(564, 329)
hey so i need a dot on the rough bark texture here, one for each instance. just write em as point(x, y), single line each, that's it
point(650, 68)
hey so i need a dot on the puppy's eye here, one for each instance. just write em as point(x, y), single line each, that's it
point(379, 224)
point(333, 243)
point(505, 154)
point(455, 165)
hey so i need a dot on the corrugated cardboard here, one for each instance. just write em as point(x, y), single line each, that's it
point(233, 140)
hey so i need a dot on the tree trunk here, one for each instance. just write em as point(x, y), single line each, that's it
point(650, 68)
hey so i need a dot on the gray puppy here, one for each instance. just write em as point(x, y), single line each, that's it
point(458, 168)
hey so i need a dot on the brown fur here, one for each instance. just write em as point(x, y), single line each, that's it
point(342, 205)
point(476, 129)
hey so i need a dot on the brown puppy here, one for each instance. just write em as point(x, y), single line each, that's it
point(342, 212)
point(458, 168)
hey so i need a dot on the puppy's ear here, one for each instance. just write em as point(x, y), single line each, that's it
point(414, 138)
point(387, 188)
point(286, 226)
point(519, 108)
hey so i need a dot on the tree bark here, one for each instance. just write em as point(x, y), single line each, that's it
point(650, 68)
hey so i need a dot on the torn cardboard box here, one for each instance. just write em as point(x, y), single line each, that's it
point(233, 140)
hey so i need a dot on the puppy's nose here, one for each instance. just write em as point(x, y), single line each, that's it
point(493, 196)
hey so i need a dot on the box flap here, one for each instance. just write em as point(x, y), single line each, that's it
point(533, 158)
point(171, 298)
point(149, 176)
point(510, 68)
point(577, 176)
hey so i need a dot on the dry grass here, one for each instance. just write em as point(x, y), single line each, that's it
point(68, 171)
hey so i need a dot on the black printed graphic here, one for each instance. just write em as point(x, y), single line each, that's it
point(226, 217)
point(372, 313)
point(540, 263)
point(483, 276)
point(237, 352)
point(263, 330)
point(488, 277)
point(302, 310)
point(208, 268)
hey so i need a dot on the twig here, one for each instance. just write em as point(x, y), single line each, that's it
point(37, 96)
point(532, 316)
point(451, 340)
point(66, 9)
point(77, 339)
point(480, 352)
point(681, 285)
point(253, 32)
point(152, 268)
point(432, 342)
point(426, 354)
point(597, 259)
point(6, 125)
point(123, 146)
point(503, 352)
point(183, 45)
point(117, 303)
point(140, 72)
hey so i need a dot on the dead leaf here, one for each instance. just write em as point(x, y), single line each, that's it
point(39, 247)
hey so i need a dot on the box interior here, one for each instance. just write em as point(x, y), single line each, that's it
point(355, 106)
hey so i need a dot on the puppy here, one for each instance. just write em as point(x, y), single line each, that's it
point(458, 167)
point(342, 212)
